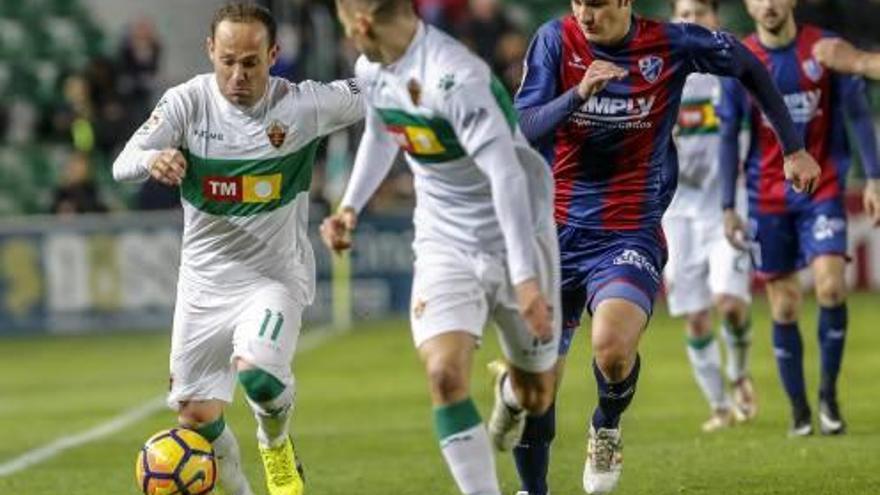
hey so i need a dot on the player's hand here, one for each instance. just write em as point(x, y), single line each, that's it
point(598, 75)
point(169, 167)
point(803, 171)
point(871, 200)
point(838, 55)
point(534, 309)
point(337, 228)
point(735, 230)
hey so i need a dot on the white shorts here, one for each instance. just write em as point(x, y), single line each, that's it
point(259, 322)
point(702, 264)
point(455, 290)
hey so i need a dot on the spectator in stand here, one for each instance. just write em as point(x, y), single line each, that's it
point(484, 30)
point(139, 56)
point(445, 14)
point(77, 193)
point(509, 54)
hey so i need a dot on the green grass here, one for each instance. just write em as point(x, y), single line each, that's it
point(363, 421)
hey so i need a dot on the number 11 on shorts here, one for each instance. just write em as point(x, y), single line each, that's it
point(279, 320)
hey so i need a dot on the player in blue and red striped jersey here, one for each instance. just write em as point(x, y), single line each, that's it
point(599, 99)
point(793, 231)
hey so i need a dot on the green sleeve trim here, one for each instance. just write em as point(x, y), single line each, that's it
point(259, 385)
point(456, 418)
point(212, 431)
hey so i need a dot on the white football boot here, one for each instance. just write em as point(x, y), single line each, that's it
point(505, 424)
point(604, 460)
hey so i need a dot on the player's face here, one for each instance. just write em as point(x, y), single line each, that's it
point(242, 56)
point(358, 29)
point(697, 13)
point(772, 15)
point(603, 21)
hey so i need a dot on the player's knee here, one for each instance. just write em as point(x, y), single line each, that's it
point(193, 414)
point(266, 393)
point(537, 397)
point(830, 291)
point(699, 324)
point(447, 381)
point(612, 357)
point(732, 310)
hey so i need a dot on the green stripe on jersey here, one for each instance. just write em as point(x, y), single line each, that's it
point(243, 187)
point(502, 97)
point(427, 140)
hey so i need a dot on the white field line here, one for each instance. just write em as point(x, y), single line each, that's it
point(35, 456)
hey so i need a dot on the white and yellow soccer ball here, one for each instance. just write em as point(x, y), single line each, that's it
point(176, 462)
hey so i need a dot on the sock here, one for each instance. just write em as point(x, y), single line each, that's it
point(271, 402)
point(789, 352)
point(832, 337)
point(532, 454)
point(228, 457)
point(465, 445)
point(705, 356)
point(508, 396)
point(738, 341)
point(614, 398)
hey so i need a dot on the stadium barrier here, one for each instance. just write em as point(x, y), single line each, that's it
point(118, 272)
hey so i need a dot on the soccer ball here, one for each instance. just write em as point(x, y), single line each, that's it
point(176, 462)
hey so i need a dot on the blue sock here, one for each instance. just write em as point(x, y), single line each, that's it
point(614, 398)
point(532, 454)
point(832, 337)
point(789, 352)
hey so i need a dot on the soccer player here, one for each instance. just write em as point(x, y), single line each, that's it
point(794, 231)
point(485, 244)
point(838, 55)
point(600, 97)
point(703, 267)
point(241, 145)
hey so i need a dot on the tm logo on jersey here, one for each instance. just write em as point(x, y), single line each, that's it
point(607, 109)
point(634, 258)
point(827, 227)
point(243, 189)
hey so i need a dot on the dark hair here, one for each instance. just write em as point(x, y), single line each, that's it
point(383, 9)
point(246, 12)
point(712, 4)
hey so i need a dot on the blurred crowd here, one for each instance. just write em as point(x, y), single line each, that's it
point(99, 101)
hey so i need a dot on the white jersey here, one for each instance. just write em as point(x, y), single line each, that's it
point(245, 194)
point(697, 137)
point(479, 186)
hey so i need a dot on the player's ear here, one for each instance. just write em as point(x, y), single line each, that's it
point(209, 47)
point(273, 54)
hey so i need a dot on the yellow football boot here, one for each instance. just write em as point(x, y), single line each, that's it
point(284, 475)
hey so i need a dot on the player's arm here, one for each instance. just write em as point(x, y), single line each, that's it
point(839, 55)
point(731, 111)
point(722, 54)
point(541, 108)
point(375, 156)
point(338, 104)
point(849, 93)
point(487, 137)
point(153, 149)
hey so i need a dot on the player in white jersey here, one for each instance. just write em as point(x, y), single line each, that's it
point(704, 270)
point(485, 240)
point(241, 146)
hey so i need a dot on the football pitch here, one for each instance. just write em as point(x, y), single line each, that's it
point(363, 424)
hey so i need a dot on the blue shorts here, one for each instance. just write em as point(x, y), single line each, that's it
point(786, 242)
point(600, 264)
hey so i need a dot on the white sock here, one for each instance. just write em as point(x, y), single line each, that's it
point(273, 418)
point(508, 396)
point(471, 461)
point(705, 357)
point(228, 460)
point(737, 344)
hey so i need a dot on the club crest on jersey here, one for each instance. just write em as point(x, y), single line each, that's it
point(277, 133)
point(812, 69)
point(651, 67)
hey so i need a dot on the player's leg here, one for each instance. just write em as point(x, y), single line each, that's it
point(265, 339)
point(689, 295)
point(449, 310)
point(532, 454)
point(784, 296)
point(778, 258)
point(622, 290)
point(729, 282)
point(202, 377)
point(464, 441)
